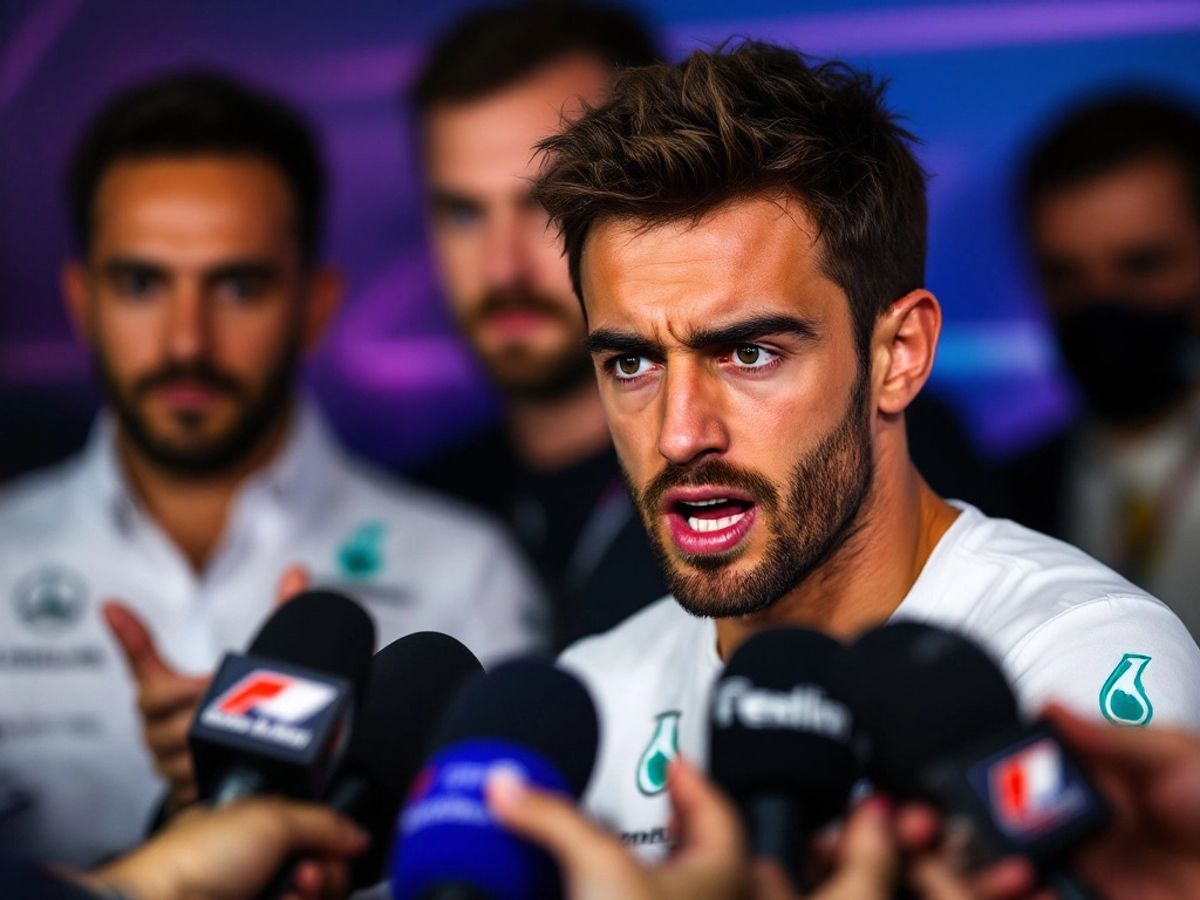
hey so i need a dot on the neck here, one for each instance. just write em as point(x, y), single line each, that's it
point(193, 510)
point(865, 579)
point(554, 434)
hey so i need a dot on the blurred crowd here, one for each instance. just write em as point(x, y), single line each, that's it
point(211, 488)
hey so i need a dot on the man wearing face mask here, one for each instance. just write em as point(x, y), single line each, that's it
point(1112, 205)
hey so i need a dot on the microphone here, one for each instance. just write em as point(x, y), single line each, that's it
point(945, 728)
point(411, 682)
point(528, 717)
point(277, 719)
point(784, 741)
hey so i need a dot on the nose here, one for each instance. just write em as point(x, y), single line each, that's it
point(692, 422)
point(505, 253)
point(187, 325)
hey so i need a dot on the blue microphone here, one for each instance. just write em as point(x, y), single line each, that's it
point(526, 717)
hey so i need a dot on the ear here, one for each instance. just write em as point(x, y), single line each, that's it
point(73, 281)
point(903, 349)
point(325, 289)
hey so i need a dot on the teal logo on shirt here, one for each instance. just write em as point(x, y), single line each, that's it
point(1123, 699)
point(656, 758)
point(50, 600)
point(361, 556)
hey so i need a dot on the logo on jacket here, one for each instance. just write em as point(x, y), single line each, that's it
point(1123, 698)
point(361, 556)
point(656, 758)
point(50, 600)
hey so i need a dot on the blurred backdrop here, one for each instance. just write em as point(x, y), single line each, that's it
point(975, 80)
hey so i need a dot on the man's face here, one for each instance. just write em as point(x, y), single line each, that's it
point(192, 301)
point(501, 266)
point(1129, 234)
point(738, 406)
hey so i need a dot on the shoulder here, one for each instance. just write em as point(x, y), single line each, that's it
point(1063, 623)
point(415, 514)
point(37, 502)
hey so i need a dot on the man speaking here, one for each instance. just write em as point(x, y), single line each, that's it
point(747, 235)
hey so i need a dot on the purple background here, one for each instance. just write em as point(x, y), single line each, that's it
point(976, 81)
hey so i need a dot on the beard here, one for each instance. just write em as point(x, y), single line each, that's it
point(810, 517)
point(517, 370)
point(198, 456)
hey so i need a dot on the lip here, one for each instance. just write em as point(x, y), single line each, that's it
point(190, 396)
point(703, 543)
point(516, 323)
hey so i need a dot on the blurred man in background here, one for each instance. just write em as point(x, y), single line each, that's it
point(197, 206)
point(499, 81)
point(1112, 206)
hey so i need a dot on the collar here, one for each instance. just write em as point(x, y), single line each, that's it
point(293, 481)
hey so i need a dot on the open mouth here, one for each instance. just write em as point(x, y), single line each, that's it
point(708, 520)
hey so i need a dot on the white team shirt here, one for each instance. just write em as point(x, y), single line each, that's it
point(1061, 625)
point(76, 782)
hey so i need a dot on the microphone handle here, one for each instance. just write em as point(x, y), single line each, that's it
point(237, 783)
point(349, 796)
point(777, 833)
point(454, 891)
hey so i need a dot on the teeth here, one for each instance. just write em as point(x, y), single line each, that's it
point(705, 525)
point(714, 502)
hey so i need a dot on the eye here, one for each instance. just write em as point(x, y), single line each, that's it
point(241, 288)
point(137, 283)
point(752, 356)
point(626, 368)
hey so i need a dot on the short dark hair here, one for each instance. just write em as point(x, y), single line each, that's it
point(1109, 132)
point(677, 141)
point(200, 113)
point(495, 47)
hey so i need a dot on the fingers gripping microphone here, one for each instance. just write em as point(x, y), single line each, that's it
point(945, 727)
point(784, 739)
point(277, 719)
point(527, 717)
point(412, 681)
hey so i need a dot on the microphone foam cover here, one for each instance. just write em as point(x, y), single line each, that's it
point(412, 681)
point(922, 692)
point(323, 630)
point(781, 723)
point(535, 705)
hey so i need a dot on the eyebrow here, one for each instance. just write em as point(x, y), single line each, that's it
point(248, 269)
point(124, 265)
point(744, 331)
point(235, 268)
point(441, 198)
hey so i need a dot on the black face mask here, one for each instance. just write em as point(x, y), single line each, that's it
point(1130, 361)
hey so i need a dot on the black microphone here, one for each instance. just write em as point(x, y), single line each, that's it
point(784, 739)
point(526, 717)
point(412, 681)
point(945, 728)
point(278, 718)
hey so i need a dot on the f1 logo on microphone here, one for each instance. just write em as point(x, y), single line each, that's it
point(1032, 789)
point(284, 698)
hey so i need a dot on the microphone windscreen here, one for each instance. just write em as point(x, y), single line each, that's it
point(322, 630)
point(535, 705)
point(781, 723)
point(412, 681)
point(922, 692)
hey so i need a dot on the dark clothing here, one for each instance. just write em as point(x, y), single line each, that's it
point(29, 881)
point(577, 526)
point(1037, 482)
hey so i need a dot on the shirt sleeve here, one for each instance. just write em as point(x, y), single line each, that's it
point(508, 616)
point(1127, 659)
